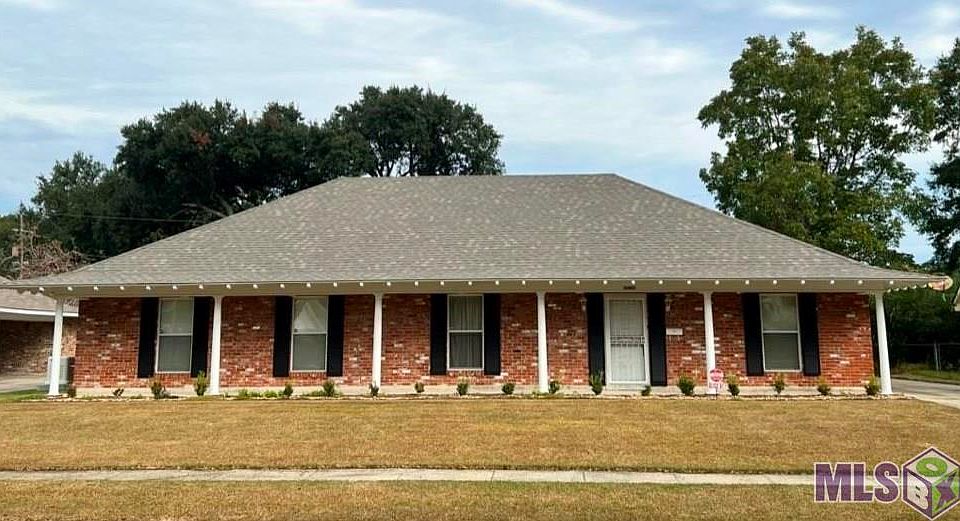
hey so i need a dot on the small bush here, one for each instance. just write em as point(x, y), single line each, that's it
point(256, 394)
point(872, 387)
point(508, 388)
point(271, 394)
point(733, 385)
point(374, 390)
point(463, 386)
point(244, 394)
point(779, 383)
point(553, 387)
point(596, 382)
point(118, 392)
point(823, 387)
point(318, 393)
point(329, 388)
point(418, 387)
point(287, 391)
point(71, 391)
point(201, 383)
point(646, 390)
point(686, 385)
point(157, 389)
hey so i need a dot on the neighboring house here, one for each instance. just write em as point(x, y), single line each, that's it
point(26, 331)
point(515, 278)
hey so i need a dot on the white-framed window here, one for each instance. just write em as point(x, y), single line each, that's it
point(465, 332)
point(780, 324)
point(308, 350)
point(175, 335)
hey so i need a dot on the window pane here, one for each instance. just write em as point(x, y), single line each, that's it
point(173, 354)
point(781, 352)
point(466, 313)
point(309, 352)
point(466, 350)
point(310, 316)
point(176, 317)
point(779, 312)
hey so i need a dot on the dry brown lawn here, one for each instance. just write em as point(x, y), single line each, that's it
point(652, 434)
point(435, 501)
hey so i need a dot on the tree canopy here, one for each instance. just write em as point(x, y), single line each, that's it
point(193, 164)
point(814, 142)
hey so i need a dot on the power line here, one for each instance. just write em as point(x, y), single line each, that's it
point(120, 218)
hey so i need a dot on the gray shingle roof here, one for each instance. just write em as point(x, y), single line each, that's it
point(462, 228)
point(12, 299)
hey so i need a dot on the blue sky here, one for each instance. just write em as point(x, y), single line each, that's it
point(574, 86)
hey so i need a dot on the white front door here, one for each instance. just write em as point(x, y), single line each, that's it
point(626, 339)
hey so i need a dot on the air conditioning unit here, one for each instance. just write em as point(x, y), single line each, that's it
point(66, 369)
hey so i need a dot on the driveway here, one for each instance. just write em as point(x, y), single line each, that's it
point(9, 383)
point(944, 394)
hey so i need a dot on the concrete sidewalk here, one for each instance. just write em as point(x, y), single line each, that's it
point(943, 394)
point(354, 475)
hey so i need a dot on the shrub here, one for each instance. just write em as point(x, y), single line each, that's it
point(508, 388)
point(157, 389)
point(271, 394)
point(256, 394)
point(646, 390)
point(201, 383)
point(244, 394)
point(118, 392)
point(374, 390)
point(287, 391)
point(71, 391)
point(596, 382)
point(313, 394)
point(463, 386)
point(329, 388)
point(779, 383)
point(553, 387)
point(733, 385)
point(872, 387)
point(686, 385)
point(418, 387)
point(823, 387)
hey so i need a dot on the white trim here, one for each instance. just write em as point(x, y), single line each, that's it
point(156, 352)
point(763, 333)
point(376, 364)
point(709, 337)
point(886, 385)
point(56, 350)
point(483, 354)
point(37, 312)
point(325, 333)
point(214, 375)
point(607, 297)
point(543, 369)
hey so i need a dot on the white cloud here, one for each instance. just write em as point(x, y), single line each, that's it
point(39, 109)
point(943, 16)
point(589, 19)
point(322, 15)
point(792, 10)
point(40, 5)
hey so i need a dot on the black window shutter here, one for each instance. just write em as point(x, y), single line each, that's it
point(657, 329)
point(753, 334)
point(595, 336)
point(282, 318)
point(491, 334)
point(809, 333)
point(146, 354)
point(335, 335)
point(438, 334)
point(201, 331)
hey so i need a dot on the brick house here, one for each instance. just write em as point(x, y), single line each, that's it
point(26, 332)
point(514, 278)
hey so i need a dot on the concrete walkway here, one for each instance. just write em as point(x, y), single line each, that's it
point(353, 475)
point(27, 382)
point(944, 394)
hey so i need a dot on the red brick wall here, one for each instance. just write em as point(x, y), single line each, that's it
point(846, 353)
point(107, 338)
point(25, 346)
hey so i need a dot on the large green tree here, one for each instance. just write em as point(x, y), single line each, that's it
point(940, 217)
point(814, 141)
point(194, 163)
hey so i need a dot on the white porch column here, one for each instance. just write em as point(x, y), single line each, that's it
point(215, 346)
point(886, 386)
point(377, 338)
point(57, 350)
point(543, 372)
point(709, 336)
